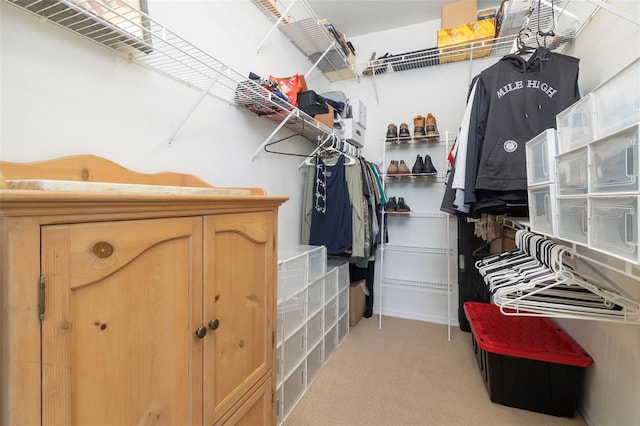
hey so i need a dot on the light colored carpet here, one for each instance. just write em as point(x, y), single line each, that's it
point(406, 373)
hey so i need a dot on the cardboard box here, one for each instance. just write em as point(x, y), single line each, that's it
point(457, 43)
point(357, 301)
point(459, 13)
point(487, 14)
point(327, 118)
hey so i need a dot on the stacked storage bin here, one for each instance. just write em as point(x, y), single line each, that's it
point(592, 196)
point(313, 319)
point(597, 168)
point(541, 151)
point(526, 362)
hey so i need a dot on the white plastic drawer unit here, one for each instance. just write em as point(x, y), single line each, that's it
point(614, 162)
point(330, 342)
point(331, 284)
point(331, 312)
point(314, 363)
point(317, 262)
point(575, 125)
point(294, 350)
point(573, 220)
point(542, 209)
point(294, 313)
point(541, 152)
point(292, 277)
point(294, 387)
point(343, 328)
point(571, 171)
point(315, 296)
point(315, 329)
point(614, 226)
point(343, 302)
point(617, 101)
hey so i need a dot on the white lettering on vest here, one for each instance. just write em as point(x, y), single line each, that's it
point(531, 84)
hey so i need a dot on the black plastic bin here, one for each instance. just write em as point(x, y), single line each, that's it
point(526, 362)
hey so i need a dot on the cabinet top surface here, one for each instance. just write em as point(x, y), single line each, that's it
point(82, 181)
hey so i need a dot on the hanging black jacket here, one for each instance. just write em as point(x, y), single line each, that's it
point(523, 97)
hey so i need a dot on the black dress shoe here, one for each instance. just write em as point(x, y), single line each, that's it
point(428, 165)
point(418, 166)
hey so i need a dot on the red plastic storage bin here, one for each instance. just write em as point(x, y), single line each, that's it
point(526, 362)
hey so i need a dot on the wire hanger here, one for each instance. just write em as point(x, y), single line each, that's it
point(336, 146)
point(534, 280)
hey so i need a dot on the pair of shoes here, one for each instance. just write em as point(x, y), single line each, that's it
point(392, 131)
point(423, 166)
point(398, 168)
point(418, 126)
point(431, 126)
point(396, 206)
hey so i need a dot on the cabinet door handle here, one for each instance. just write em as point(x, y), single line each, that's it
point(201, 332)
point(214, 324)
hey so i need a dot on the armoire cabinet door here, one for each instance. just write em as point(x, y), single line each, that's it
point(123, 301)
point(239, 281)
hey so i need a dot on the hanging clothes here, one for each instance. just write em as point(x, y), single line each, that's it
point(513, 101)
point(331, 215)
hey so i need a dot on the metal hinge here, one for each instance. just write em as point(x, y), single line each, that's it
point(273, 339)
point(41, 297)
point(272, 397)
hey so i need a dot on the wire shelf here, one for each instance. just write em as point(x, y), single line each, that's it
point(438, 287)
point(427, 215)
point(312, 36)
point(416, 249)
point(566, 18)
point(132, 33)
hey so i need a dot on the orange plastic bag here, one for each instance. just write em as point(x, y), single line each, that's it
point(291, 86)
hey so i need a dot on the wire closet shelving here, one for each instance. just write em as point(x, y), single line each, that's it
point(132, 33)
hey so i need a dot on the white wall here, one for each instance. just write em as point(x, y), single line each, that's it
point(63, 95)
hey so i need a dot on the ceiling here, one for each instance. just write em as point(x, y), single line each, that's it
point(358, 17)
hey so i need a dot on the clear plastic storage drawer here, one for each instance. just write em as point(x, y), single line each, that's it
point(614, 227)
point(315, 330)
point(614, 162)
point(292, 276)
point(314, 296)
point(294, 350)
point(317, 262)
point(617, 101)
point(572, 220)
point(343, 302)
point(541, 152)
point(331, 312)
point(314, 363)
point(331, 284)
point(294, 387)
point(575, 125)
point(571, 170)
point(542, 209)
point(330, 342)
point(294, 314)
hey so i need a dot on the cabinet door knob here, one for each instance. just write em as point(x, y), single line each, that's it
point(201, 332)
point(214, 324)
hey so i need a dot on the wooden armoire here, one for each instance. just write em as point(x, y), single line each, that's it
point(134, 299)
